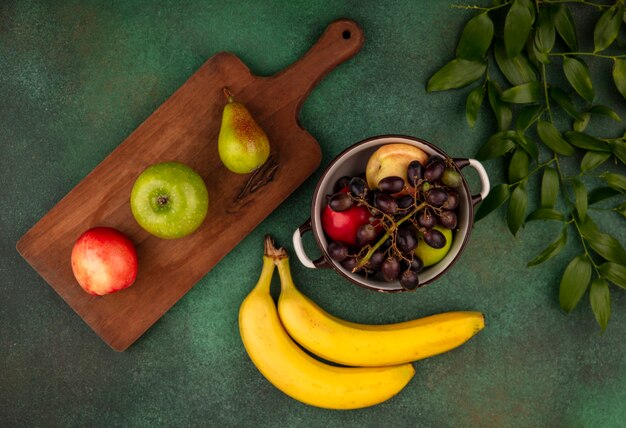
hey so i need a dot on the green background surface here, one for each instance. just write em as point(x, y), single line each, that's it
point(76, 77)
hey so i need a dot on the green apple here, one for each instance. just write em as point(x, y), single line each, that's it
point(169, 200)
point(430, 255)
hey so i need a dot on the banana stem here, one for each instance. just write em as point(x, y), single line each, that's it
point(280, 258)
point(272, 251)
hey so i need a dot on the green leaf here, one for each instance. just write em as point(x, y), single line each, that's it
point(616, 181)
point(577, 75)
point(544, 33)
point(600, 299)
point(581, 125)
point(614, 272)
point(551, 137)
point(618, 147)
point(456, 74)
point(586, 142)
point(545, 214)
point(580, 196)
point(517, 27)
point(574, 282)
point(521, 94)
point(607, 27)
point(518, 167)
point(528, 144)
point(619, 75)
point(517, 208)
point(564, 100)
point(549, 187)
point(601, 193)
point(497, 196)
point(535, 57)
point(605, 245)
point(564, 25)
point(551, 250)
point(530, 5)
point(476, 38)
point(593, 160)
point(473, 103)
point(527, 116)
point(621, 209)
point(502, 111)
point(497, 145)
point(605, 111)
point(537, 54)
point(517, 70)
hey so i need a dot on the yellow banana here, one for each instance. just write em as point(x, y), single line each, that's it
point(296, 373)
point(364, 345)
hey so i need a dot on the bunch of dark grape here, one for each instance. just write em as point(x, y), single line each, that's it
point(401, 211)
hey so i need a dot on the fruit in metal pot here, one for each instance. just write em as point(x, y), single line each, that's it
point(340, 202)
point(451, 177)
point(337, 251)
point(434, 168)
point(391, 184)
point(430, 255)
point(342, 226)
point(392, 160)
point(390, 269)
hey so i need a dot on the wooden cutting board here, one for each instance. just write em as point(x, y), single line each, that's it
point(185, 128)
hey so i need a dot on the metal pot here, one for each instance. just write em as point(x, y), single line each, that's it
point(351, 162)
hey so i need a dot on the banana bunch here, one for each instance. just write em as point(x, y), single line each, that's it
point(380, 355)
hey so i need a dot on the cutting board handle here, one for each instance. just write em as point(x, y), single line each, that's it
point(342, 39)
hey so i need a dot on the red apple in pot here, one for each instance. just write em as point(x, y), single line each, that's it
point(342, 226)
point(104, 261)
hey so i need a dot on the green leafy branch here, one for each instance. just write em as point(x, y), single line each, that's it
point(523, 50)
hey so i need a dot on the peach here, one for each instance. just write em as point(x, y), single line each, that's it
point(104, 261)
point(392, 160)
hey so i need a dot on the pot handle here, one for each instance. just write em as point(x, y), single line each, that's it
point(482, 174)
point(297, 245)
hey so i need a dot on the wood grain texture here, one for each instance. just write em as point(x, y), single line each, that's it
point(185, 129)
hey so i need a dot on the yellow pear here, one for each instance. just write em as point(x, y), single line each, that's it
point(242, 144)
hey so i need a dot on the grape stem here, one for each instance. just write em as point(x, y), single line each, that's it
point(389, 231)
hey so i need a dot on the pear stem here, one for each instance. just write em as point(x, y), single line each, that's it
point(228, 94)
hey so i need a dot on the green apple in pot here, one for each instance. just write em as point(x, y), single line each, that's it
point(169, 200)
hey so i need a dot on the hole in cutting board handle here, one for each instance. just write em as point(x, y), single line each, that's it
point(346, 34)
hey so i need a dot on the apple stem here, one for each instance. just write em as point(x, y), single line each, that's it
point(380, 242)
